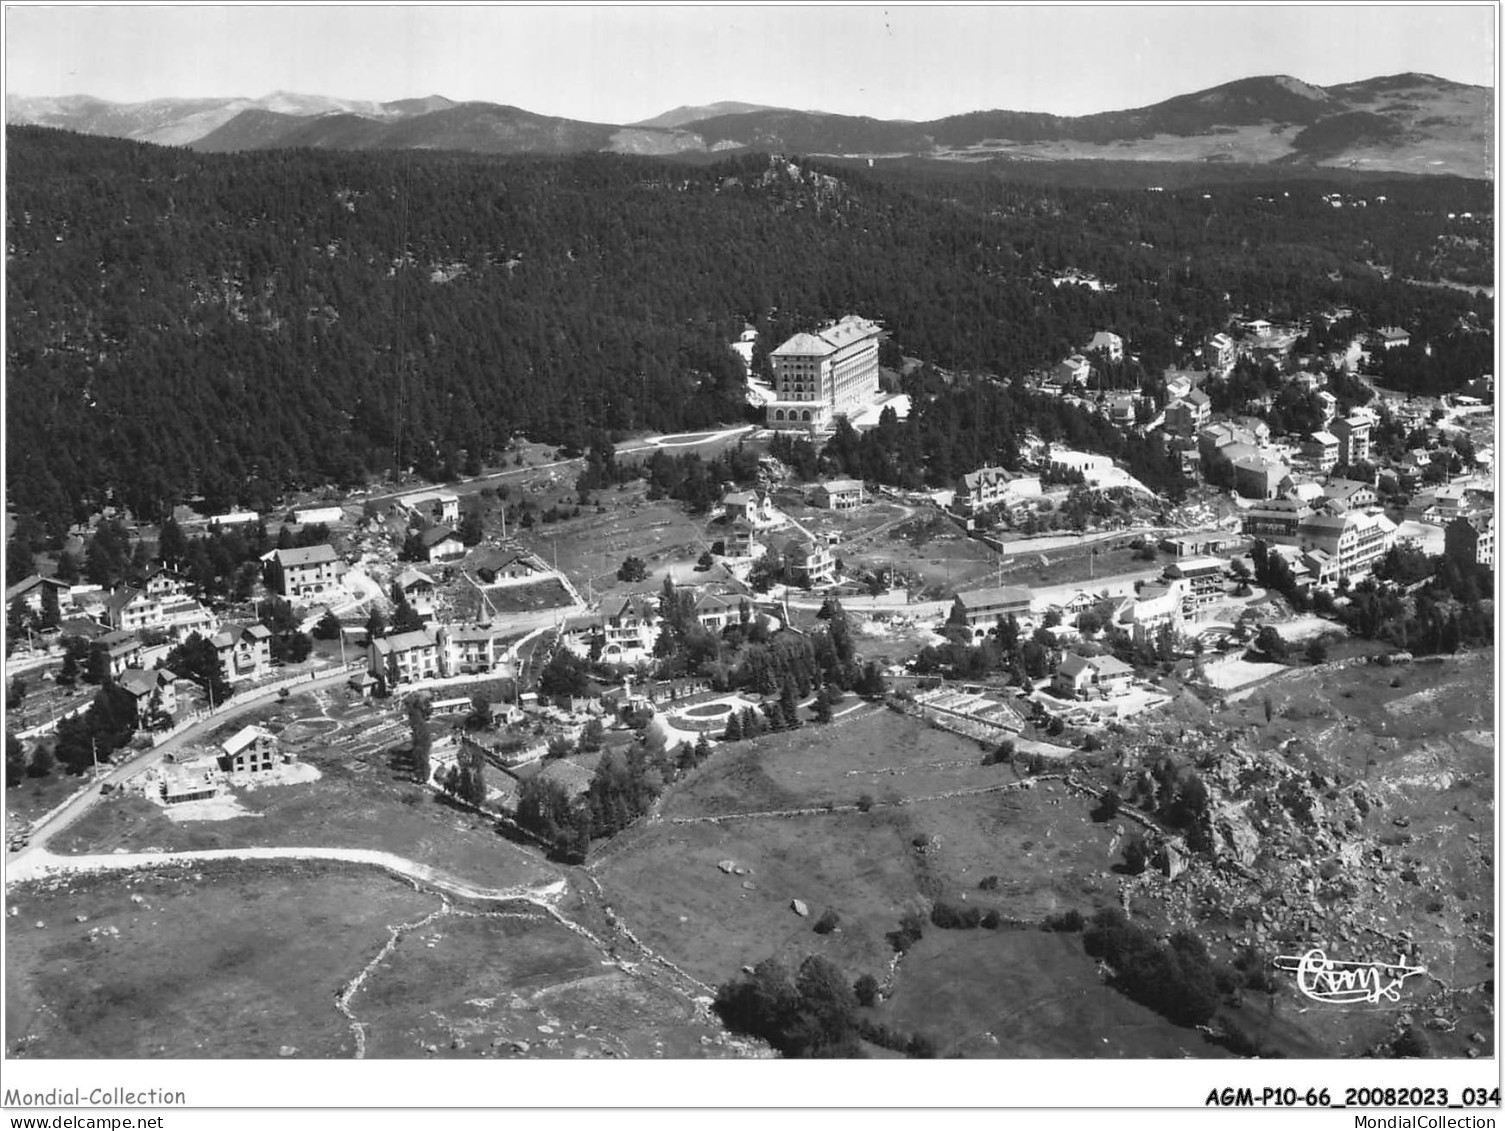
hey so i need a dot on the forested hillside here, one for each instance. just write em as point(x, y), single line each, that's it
point(235, 325)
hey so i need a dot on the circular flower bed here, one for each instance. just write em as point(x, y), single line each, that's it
point(706, 718)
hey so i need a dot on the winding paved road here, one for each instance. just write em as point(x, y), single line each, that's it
point(118, 773)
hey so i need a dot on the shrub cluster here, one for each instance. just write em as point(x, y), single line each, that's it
point(958, 917)
point(811, 1012)
point(1067, 922)
point(911, 930)
point(1176, 979)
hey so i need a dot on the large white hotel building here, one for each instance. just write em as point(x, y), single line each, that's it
point(821, 376)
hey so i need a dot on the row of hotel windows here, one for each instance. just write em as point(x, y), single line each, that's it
point(794, 414)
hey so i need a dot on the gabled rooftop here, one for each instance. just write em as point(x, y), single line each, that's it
point(122, 597)
point(1004, 595)
point(21, 588)
point(1073, 665)
point(243, 738)
point(141, 682)
point(120, 642)
point(305, 555)
point(410, 578)
point(404, 641)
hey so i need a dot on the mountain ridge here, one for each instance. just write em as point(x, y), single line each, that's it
point(1408, 122)
point(683, 115)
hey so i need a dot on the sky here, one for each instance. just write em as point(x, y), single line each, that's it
point(625, 63)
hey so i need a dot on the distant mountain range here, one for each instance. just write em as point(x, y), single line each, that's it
point(1399, 123)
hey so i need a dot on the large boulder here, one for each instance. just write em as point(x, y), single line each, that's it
point(1170, 860)
point(1233, 835)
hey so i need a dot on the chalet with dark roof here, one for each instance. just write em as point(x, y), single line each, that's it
point(441, 544)
point(29, 593)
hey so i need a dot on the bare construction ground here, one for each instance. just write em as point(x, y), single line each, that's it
point(364, 798)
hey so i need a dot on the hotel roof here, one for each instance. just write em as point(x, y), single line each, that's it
point(805, 345)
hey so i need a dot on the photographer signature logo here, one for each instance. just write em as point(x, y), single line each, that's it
point(1346, 983)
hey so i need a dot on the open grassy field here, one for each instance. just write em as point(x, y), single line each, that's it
point(216, 961)
point(361, 800)
point(853, 527)
point(873, 751)
point(504, 599)
point(248, 959)
point(33, 797)
point(931, 548)
point(870, 867)
point(590, 548)
point(1017, 994)
point(1077, 565)
point(668, 888)
point(1418, 868)
point(514, 983)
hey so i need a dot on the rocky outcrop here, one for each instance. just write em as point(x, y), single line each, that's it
point(1234, 835)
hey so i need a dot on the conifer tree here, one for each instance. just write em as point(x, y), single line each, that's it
point(423, 741)
point(376, 624)
point(822, 708)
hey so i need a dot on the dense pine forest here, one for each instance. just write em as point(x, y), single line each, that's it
point(234, 326)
